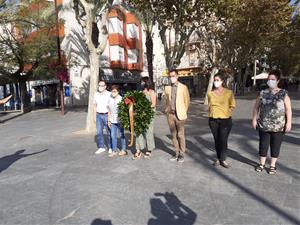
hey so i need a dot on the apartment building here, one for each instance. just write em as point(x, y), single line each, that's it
point(122, 61)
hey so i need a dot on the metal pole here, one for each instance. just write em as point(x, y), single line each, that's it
point(59, 59)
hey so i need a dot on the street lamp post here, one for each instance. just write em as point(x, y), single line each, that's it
point(254, 80)
point(59, 59)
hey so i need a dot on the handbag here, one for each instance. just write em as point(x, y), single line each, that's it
point(259, 125)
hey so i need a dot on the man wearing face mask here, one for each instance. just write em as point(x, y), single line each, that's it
point(101, 101)
point(177, 103)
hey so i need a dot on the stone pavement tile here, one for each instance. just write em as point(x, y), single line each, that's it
point(78, 187)
point(29, 208)
point(292, 201)
point(284, 188)
point(130, 180)
point(268, 205)
point(228, 209)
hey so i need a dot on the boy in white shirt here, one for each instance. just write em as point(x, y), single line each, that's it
point(101, 100)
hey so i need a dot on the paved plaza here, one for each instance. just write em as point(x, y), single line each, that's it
point(50, 175)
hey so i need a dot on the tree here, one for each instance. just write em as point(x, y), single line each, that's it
point(251, 26)
point(147, 17)
point(208, 33)
point(26, 46)
point(92, 15)
point(285, 50)
point(176, 22)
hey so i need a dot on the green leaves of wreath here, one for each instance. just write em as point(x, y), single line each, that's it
point(143, 113)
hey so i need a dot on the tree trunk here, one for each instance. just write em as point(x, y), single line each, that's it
point(94, 79)
point(25, 99)
point(213, 72)
point(210, 84)
point(149, 51)
point(243, 80)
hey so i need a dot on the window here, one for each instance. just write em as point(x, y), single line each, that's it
point(132, 31)
point(132, 56)
point(117, 53)
point(115, 25)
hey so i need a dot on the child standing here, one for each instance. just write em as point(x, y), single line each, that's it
point(114, 124)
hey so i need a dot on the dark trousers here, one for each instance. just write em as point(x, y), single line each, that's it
point(272, 139)
point(220, 129)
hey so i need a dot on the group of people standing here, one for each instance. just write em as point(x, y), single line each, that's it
point(272, 117)
point(106, 116)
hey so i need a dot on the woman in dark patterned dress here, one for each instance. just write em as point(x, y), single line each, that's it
point(272, 116)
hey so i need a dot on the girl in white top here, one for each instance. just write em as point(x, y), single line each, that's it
point(114, 124)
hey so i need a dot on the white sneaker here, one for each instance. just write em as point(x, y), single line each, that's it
point(110, 151)
point(100, 150)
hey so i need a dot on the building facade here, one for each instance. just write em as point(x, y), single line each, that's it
point(122, 61)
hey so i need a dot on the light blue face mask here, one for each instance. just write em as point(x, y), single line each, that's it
point(115, 94)
point(272, 83)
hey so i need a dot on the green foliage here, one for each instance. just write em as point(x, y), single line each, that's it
point(143, 113)
point(27, 39)
point(251, 27)
point(178, 18)
point(285, 51)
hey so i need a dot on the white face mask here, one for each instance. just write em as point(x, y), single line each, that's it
point(173, 80)
point(272, 83)
point(101, 89)
point(217, 83)
point(114, 94)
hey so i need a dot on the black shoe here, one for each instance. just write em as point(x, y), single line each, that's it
point(180, 159)
point(174, 158)
point(216, 163)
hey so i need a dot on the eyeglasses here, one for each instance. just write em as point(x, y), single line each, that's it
point(102, 85)
point(114, 91)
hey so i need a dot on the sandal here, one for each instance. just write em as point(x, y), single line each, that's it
point(224, 164)
point(137, 155)
point(272, 170)
point(147, 154)
point(259, 168)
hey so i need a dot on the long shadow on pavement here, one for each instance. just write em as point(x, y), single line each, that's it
point(101, 222)
point(235, 155)
point(8, 160)
point(194, 147)
point(171, 211)
point(243, 127)
point(160, 144)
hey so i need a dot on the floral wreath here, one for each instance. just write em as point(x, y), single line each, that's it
point(135, 113)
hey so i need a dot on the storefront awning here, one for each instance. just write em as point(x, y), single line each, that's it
point(44, 82)
point(120, 76)
point(184, 72)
